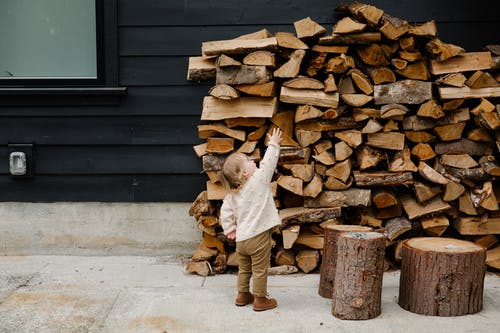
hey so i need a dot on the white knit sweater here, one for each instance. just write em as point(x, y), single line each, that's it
point(251, 210)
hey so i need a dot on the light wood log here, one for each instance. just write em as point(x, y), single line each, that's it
point(419, 136)
point(442, 51)
point(238, 46)
point(220, 145)
point(330, 48)
point(358, 276)
point(305, 112)
point(291, 184)
point(348, 25)
point(361, 81)
point(216, 109)
point(307, 260)
point(490, 120)
point(368, 157)
point(215, 191)
point(290, 155)
point(390, 140)
point(346, 198)
point(356, 100)
point(463, 161)
point(483, 106)
point(402, 162)
point(415, 71)
point(430, 109)
point(290, 41)
point(372, 55)
point(427, 29)
point(269, 89)
point(291, 68)
point(201, 268)
point(342, 151)
point(453, 79)
point(466, 92)
point(442, 276)
point(290, 235)
point(450, 132)
point(360, 38)
point(493, 258)
point(301, 171)
point(393, 27)
point(474, 225)
point(330, 255)
point(326, 158)
point(352, 137)
point(304, 82)
point(396, 227)
point(335, 184)
point(481, 79)
point(223, 91)
point(341, 170)
point(363, 12)
point(486, 241)
point(381, 75)
point(311, 240)
point(260, 58)
point(430, 174)
point(211, 130)
point(225, 61)
point(404, 92)
point(435, 226)
point(307, 28)
point(452, 191)
point(415, 209)
point(393, 111)
point(424, 192)
point(309, 96)
point(285, 257)
point(303, 215)
point(260, 34)
point(372, 126)
point(471, 61)
point(314, 187)
point(465, 205)
point(201, 69)
point(242, 75)
point(200, 149)
point(490, 165)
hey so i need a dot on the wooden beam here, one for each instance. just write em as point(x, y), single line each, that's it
point(246, 107)
point(466, 92)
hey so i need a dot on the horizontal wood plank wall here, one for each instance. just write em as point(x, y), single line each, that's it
point(141, 150)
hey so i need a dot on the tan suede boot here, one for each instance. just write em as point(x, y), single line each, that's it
point(264, 303)
point(243, 299)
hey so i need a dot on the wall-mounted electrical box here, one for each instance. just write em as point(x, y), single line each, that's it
point(21, 159)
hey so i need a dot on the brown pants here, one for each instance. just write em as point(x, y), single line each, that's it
point(254, 257)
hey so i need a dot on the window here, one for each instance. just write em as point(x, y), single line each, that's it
point(51, 42)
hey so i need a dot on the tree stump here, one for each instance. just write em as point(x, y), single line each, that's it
point(442, 276)
point(358, 275)
point(327, 270)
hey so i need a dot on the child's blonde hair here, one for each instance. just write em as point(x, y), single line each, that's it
point(232, 171)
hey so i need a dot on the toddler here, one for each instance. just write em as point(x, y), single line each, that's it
point(249, 215)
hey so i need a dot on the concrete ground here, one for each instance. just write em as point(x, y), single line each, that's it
point(153, 294)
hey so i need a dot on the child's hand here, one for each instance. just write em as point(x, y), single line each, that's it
point(275, 136)
point(232, 235)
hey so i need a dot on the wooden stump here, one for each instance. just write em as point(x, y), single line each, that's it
point(441, 276)
point(358, 275)
point(327, 270)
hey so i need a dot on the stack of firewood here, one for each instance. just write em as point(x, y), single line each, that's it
point(384, 125)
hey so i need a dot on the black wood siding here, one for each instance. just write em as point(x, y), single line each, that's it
point(141, 149)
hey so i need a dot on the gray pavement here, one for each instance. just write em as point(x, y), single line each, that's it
point(153, 294)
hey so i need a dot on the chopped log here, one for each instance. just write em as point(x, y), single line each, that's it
point(260, 58)
point(452, 191)
point(342, 151)
point(442, 276)
point(304, 82)
point(473, 225)
point(290, 41)
point(307, 28)
point(290, 155)
point(268, 89)
point(463, 161)
point(291, 184)
point(346, 198)
point(396, 227)
point(455, 117)
point(415, 209)
point(330, 48)
point(393, 27)
point(348, 25)
point(453, 79)
point(244, 122)
point(361, 38)
point(284, 120)
point(220, 145)
point(368, 13)
point(390, 140)
point(290, 235)
point(285, 257)
point(407, 43)
point(389, 212)
point(361, 81)
point(282, 270)
point(335, 184)
point(215, 191)
point(393, 111)
point(430, 174)
point(490, 165)
point(435, 226)
point(466, 92)
point(356, 100)
point(402, 162)
point(207, 131)
point(212, 162)
point(315, 64)
point(339, 64)
point(301, 171)
point(465, 205)
point(450, 132)
point(485, 197)
point(312, 240)
point(291, 68)
point(352, 137)
point(372, 55)
point(326, 158)
point(309, 96)
point(201, 206)
point(216, 109)
point(305, 112)
point(491, 120)
point(391, 126)
point(341, 170)
point(201, 69)
point(368, 179)
point(258, 133)
point(314, 187)
point(248, 147)
point(201, 268)
point(238, 46)
point(483, 106)
point(302, 215)
point(330, 85)
point(423, 151)
point(425, 192)
point(384, 197)
point(243, 75)
point(322, 146)
point(453, 104)
point(419, 136)
point(493, 258)
point(442, 51)
point(200, 149)
point(260, 34)
point(328, 264)
point(225, 61)
point(471, 61)
point(204, 253)
point(358, 276)
point(415, 71)
point(372, 126)
point(381, 75)
point(481, 79)
point(307, 260)
point(430, 109)
point(368, 157)
point(415, 123)
point(425, 29)
point(223, 91)
point(486, 241)
point(404, 92)
point(463, 146)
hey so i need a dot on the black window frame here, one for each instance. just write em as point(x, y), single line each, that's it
point(99, 80)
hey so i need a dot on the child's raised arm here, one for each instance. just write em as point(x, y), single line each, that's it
point(270, 159)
